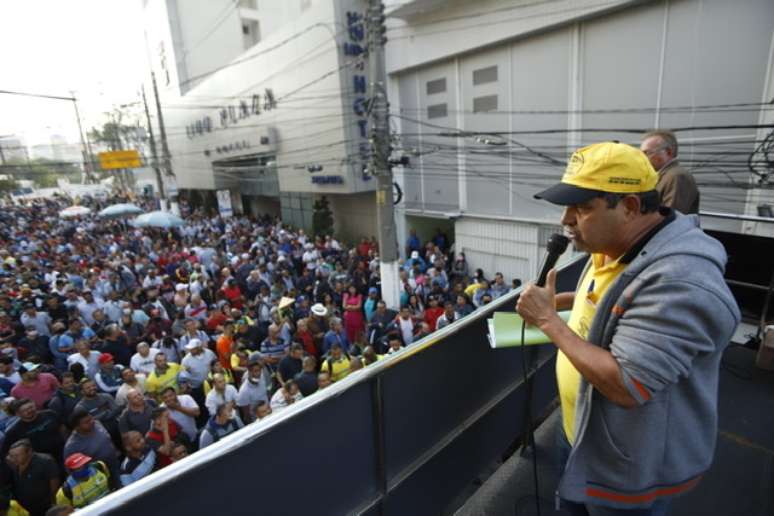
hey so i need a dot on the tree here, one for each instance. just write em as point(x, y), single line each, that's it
point(116, 135)
point(322, 218)
point(43, 172)
point(7, 184)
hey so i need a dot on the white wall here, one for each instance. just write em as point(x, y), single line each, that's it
point(612, 76)
point(311, 125)
point(354, 216)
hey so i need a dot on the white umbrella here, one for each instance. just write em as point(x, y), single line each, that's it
point(158, 219)
point(74, 211)
point(117, 211)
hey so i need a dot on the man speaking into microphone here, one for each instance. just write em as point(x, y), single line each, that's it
point(638, 360)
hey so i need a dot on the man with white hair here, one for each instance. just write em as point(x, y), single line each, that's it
point(142, 361)
point(196, 309)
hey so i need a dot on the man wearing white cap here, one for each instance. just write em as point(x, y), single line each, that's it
point(197, 362)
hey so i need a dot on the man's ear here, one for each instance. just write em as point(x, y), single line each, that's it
point(632, 205)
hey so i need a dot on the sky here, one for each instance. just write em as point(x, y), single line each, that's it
point(94, 48)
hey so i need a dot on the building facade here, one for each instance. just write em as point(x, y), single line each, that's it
point(491, 97)
point(268, 101)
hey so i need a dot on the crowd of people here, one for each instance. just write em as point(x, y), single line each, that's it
point(123, 350)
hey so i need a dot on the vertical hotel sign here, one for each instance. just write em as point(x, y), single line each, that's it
point(354, 49)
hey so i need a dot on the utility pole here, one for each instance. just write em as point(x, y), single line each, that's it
point(380, 155)
point(164, 147)
point(154, 154)
point(88, 158)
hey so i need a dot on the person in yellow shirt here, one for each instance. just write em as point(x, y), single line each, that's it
point(215, 369)
point(88, 481)
point(163, 375)
point(337, 363)
point(10, 507)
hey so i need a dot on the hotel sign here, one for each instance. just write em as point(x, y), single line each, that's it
point(232, 114)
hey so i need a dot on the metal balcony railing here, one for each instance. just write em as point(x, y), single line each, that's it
point(404, 436)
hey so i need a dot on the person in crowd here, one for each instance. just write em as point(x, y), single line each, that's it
point(139, 458)
point(221, 393)
point(291, 364)
point(108, 377)
point(88, 481)
point(649, 323)
point(33, 344)
point(499, 287)
point(100, 405)
point(197, 364)
point(337, 363)
point(255, 388)
point(129, 380)
point(406, 325)
point(90, 438)
point(676, 186)
point(42, 427)
point(354, 321)
point(88, 289)
point(164, 374)
point(143, 360)
point(449, 316)
point(221, 424)
point(87, 357)
point(164, 435)
point(273, 348)
point(288, 394)
point(183, 410)
point(35, 477)
point(66, 398)
point(34, 385)
point(462, 306)
point(307, 378)
point(137, 414)
point(262, 410)
point(335, 335)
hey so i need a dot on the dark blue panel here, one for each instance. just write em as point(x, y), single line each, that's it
point(479, 446)
point(321, 462)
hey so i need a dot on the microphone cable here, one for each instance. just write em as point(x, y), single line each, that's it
point(529, 435)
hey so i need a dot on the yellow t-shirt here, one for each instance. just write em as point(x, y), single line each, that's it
point(154, 384)
point(595, 283)
point(338, 369)
point(470, 290)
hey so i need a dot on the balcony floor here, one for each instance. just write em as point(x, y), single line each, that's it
point(740, 482)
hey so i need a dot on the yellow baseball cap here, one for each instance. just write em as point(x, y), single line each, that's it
point(606, 167)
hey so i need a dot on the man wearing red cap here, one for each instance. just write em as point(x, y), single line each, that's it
point(108, 377)
point(88, 481)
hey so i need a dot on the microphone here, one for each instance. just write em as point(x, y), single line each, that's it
point(557, 245)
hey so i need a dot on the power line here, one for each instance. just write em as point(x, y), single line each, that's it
point(38, 95)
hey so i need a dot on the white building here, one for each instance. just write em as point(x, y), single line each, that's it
point(266, 99)
point(549, 77)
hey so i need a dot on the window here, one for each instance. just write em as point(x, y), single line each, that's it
point(437, 111)
point(483, 104)
point(251, 33)
point(485, 75)
point(248, 4)
point(436, 86)
point(305, 4)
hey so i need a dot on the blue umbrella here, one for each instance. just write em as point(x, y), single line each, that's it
point(117, 211)
point(158, 219)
